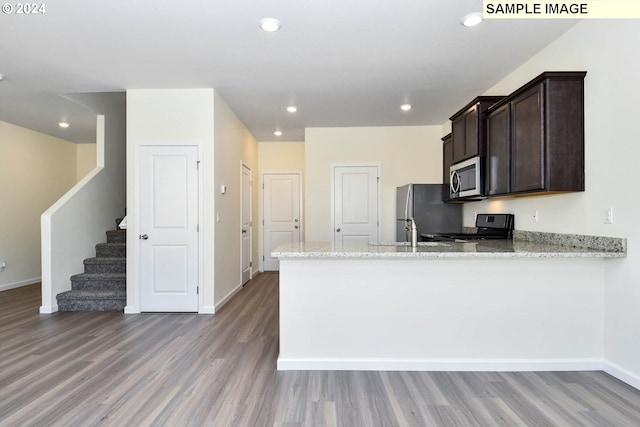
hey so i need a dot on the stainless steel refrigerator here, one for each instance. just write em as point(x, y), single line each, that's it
point(423, 203)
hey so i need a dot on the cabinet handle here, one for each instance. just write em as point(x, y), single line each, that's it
point(143, 237)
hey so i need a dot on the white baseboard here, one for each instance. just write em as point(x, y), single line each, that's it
point(622, 374)
point(131, 309)
point(503, 365)
point(20, 284)
point(207, 309)
point(48, 309)
point(227, 297)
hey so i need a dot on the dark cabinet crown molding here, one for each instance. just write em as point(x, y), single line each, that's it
point(547, 75)
point(489, 100)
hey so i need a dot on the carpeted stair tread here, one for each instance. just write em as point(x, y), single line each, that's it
point(92, 301)
point(92, 294)
point(117, 236)
point(111, 250)
point(99, 281)
point(97, 276)
point(105, 265)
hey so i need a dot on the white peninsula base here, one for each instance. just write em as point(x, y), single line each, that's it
point(496, 314)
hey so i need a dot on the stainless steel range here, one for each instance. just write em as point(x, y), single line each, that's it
point(489, 226)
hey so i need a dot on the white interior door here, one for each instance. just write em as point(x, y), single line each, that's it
point(245, 234)
point(169, 228)
point(282, 222)
point(355, 204)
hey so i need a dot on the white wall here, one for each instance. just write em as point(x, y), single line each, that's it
point(35, 170)
point(73, 225)
point(234, 145)
point(408, 154)
point(607, 50)
point(171, 116)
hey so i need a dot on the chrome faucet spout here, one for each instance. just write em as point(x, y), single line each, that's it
point(411, 227)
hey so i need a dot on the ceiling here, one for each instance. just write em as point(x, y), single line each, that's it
point(342, 63)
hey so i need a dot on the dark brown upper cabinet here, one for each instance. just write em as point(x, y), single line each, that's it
point(498, 160)
point(535, 137)
point(447, 161)
point(467, 128)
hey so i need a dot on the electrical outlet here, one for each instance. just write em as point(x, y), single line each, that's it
point(3, 265)
point(608, 216)
point(534, 216)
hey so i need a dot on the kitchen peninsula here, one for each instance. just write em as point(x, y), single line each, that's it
point(488, 305)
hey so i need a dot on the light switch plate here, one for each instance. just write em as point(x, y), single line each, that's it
point(608, 216)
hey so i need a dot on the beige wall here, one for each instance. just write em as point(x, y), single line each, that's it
point(411, 154)
point(234, 146)
point(35, 170)
point(607, 50)
point(285, 156)
point(86, 159)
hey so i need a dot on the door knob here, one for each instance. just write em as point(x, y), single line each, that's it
point(296, 220)
point(338, 230)
point(296, 227)
point(244, 231)
point(143, 237)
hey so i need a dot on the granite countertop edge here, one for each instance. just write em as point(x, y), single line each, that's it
point(524, 245)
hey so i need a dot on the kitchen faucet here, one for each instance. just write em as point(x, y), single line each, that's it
point(411, 226)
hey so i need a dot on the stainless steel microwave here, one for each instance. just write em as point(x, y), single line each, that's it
point(466, 179)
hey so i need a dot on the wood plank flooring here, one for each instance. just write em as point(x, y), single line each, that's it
point(87, 369)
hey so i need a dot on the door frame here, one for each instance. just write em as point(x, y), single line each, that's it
point(134, 287)
point(261, 248)
point(333, 193)
point(242, 166)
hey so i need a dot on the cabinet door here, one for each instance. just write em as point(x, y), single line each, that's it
point(458, 139)
point(527, 144)
point(498, 171)
point(447, 161)
point(471, 137)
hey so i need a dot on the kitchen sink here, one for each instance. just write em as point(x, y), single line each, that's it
point(407, 244)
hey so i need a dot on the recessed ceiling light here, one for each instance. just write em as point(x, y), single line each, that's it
point(405, 107)
point(472, 19)
point(292, 108)
point(63, 125)
point(278, 133)
point(270, 25)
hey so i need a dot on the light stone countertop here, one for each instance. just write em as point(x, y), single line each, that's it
point(477, 249)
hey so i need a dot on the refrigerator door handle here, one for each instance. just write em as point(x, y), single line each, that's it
point(406, 202)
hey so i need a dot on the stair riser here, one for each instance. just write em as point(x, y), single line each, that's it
point(99, 285)
point(116, 236)
point(106, 267)
point(92, 305)
point(111, 250)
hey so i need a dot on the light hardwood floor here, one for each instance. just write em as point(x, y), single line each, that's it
point(68, 369)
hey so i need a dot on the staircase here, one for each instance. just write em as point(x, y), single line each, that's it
point(103, 285)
